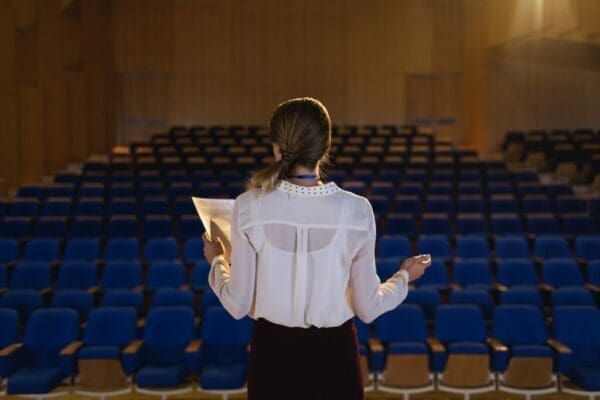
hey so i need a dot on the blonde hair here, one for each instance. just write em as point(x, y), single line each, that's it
point(302, 129)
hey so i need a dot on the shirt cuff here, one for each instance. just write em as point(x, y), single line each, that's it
point(217, 259)
point(405, 276)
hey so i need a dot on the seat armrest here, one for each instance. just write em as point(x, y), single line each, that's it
point(10, 349)
point(455, 287)
point(194, 346)
point(559, 347)
point(435, 345)
point(71, 348)
point(496, 344)
point(500, 287)
point(141, 322)
point(375, 345)
point(592, 288)
point(133, 347)
point(139, 289)
point(93, 289)
point(546, 287)
point(46, 291)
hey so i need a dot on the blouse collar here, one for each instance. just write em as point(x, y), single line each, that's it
point(320, 190)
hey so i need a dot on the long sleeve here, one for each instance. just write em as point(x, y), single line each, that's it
point(370, 297)
point(234, 284)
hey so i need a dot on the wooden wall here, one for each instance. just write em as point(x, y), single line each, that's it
point(57, 86)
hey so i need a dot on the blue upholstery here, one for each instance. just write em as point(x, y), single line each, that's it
point(163, 275)
point(579, 225)
point(51, 227)
point(42, 250)
point(435, 278)
point(223, 353)
point(199, 277)
point(122, 275)
point(173, 297)
point(193, 250)
point(23, 301)
point(162, 361)
point(3, 276)
point(471, 224)
point(15, 227)
point(588, 247)
point(393, 246)
point(478, 297)
point(401, 224)
point(517, 272)
point(40, 368)
point(473, 273)
point(78, 300)
point(562, 272)
point(161, 250)
point(386, 267)
point(538, 224)
point(122, 249)
point(35, 275)
point(87, 227)
point(572, 296)
point(437, 246)
point(9, 250)
point(82, 250)
point(522, 295)
point(9, 334)
point(472, 247)
point(594, 272)
point(506, 224)
point(436, 224)
point(426, 298)
point(577, 327)
point(124, 298)
point(77, 275)
point(551, 246)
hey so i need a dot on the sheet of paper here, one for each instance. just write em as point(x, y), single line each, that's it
point(215, 215)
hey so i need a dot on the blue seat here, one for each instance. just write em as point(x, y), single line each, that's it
point(42, 250)
point(469, 247)
point(155, 205)
point(57, 207)
point(107, 332)
point(122, 275)
point(540, 224)
point(24, 207)
point(31, 191)
point(77, 275)
point(193, 250)
point(437, 246)
point(122, 226)
point(588, 247)
point(165, 274)
point(386, 267)
point(16, 227)
point(401, 224)
point(78, 300)
point(517, 272)
point(471, 204)
point(577, 327)
point(82, 249)
point(522, 295)
point(380, 204)
point(162, 361)
point(189, 227)
point(223, 354)
point(41, 365)
point(209, 299)
point(579, 225)
point(435, 278)
point(3, 278)
point(402, 333)
point(461, 329)
point(51, 227)
point(506, 224)
point(474, 274)
point(439, 204)
point(122, 249)
point(9, 335)
point(471, 224)
point(23, 302)
point(522, 329)
point(536, 203)
point(552, 246)
point(87, 227)
point(157, 226)
point(594, 273)
point(436, 224)
point(90, 207)
point(173, 297)
point(426, 298)
point(383, 188)
point(503, 203)
point(572, 296)
point(408, 204)
point(122, 206)
point(199, 277)
point(9, 250)
point(511, 247)
point(480, 298)
point(124, 298)
point(393, 246)
point(183, 206)
point(560, 272)
point(31, 275)
point(570, 204)
point(61, 190)
point(161, 250)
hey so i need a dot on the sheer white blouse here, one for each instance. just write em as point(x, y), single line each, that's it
point(304, 256)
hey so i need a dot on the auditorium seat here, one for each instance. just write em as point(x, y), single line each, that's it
point(472, 247)
point(579, 225)
point(472, 274)
point(506, 224)
point(80, 275)
point(437, 246)
point(400, 353)
point(167, 352)
point(48, 352)
point(193, 250)
point(9, 338)
point(572, 296)
point(77, 300)
point(82, 249)
point(223, 351)
point(57, 207)
point(108, 333)
point(87, 227)
point(470, 224)
point(199, 277)
point(16, 227)
point(393, 246)
point(551, 246)
point(122, 226)
point(42, 250)
point(577, 327)
point(156, 226)
point(189, 227)
point(517, 273)
point(89, 206)
point(561, 272)
point(124, 298)
point(9, 250)
point(24, 207)
point(436, 224)
point(165, 275)
point(520, 343)
point(510, 246)
point(122, 275)
point(542, 224)
point(401, 224)
point(428, 299)
point(32, 275)
point(171, 297)
point(461, 332)
point(588, 247)
point(22, 301)
point(122, 249)
point(436, 277)
point(475, 296)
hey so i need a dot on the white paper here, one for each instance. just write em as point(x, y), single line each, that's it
point(215, 215)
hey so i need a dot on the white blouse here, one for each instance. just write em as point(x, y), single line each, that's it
point(303, 256)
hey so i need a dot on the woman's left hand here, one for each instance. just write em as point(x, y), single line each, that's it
point(212, 248)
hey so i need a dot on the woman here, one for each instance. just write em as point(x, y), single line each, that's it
point(302, 265)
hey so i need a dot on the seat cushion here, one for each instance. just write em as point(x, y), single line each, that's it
point(34, 380)
point(153, 376)
point(100, 352)
point(407, 348)
point(531, 351)
point(467, 348)
point(586, 377)
point(222, 377)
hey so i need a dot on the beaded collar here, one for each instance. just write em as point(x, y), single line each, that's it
point(320, 190)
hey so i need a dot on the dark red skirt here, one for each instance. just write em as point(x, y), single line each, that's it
point(304, 363)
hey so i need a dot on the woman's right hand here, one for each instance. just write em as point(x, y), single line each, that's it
point(416, 265)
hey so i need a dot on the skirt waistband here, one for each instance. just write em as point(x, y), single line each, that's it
point(264, 324)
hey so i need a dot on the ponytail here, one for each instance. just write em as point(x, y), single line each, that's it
point(268, 177)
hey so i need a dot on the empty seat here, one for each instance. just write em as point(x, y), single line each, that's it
point(90, 207)
point(471, 204)
point(426, 298)
point(122, 249)
point(436, 224)
point(42, 250)
point(163, 275)
point(77, 300)
point(570, 204)
point(503, 203)
point(24, 207)
point(82, 250)
point(9, 250)
point(161, 250)
point(393, 246)
point(572, 296)
point(552, 246)
point(22, 301)
point(48, 333)
point(173, 297)
point(579, 225)
point(506, 224)
point(468, 247)
point(536, 203)
point(588, 247)
point(16, 227)
point(437, 246)
point(57, 206)
point(517, 272)
point(401, 224)
point(122, 275)
point(511, 247)
point(472, 274)
point(77, 275)
point(122, 206)
point(386, 267)
point(539, 224)
point(199, 277)
point(124, 298)
point(87, 227)
point(9, 336)
point(561, 272)
point(193, 250)
point(32, 275)
point(408, 204)
point(522, 295)
point(157, 226)
point(435, 278)
point(122, 226)
point(470, 224)
point(478, 297)
point(189, 227)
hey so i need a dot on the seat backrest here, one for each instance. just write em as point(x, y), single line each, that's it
point(47, 332)
point(513, 272)
point(110, 326)
point(468, 272)
point(31, 276)
point(122, 249)
point(472, 247)
point(77, 275)
point(161, 249)
point(164, 275)
point(578, 327)
point(82, 249)
point(562, 272)
point(551, 246)
point(459, 323)
point(42, 250)
point(519, 325)
point(406, 323)
point(167, 332)
point(512, 247)
point(437, 274)
point(9, 327)
point(124, 298)
point(173, 297)
point(122, 275)
point(522, 295)
point(9, 250)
